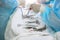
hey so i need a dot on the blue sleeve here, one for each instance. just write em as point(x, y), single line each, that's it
point(57, 8)
point(6, 9)
point(52, 16)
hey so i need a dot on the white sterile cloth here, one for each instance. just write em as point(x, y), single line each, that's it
point(16, 27)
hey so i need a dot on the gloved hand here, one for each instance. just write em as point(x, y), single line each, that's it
point(35, 7)
point(57, 35)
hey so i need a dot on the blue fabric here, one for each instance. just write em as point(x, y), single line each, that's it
point(52, 2)
point(48, 2)
point(57, 8)
point(6, 9)
point(52, 16)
